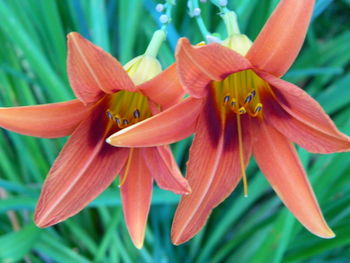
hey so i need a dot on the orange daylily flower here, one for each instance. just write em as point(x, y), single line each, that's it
point(240, 107)
point(109, 99)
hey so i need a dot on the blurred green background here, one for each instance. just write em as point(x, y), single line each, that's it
point(254, 229)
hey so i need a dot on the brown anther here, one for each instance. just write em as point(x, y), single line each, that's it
point(109, 115)
point(233, 103)
point(137, 114)
point(242, 110)
point(258, 108)
point(248, 99)
point(226, 99)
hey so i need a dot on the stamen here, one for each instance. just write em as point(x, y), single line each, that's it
point(117, 120)
point(137, 114)
point(248, 99)
point(226, 99)
point(242, 110)
point(258, 108)
point(109, 115)
point(127, 167)
point(233, 102)
point(125, 122)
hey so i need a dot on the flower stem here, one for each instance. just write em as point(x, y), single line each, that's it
point(230, 19)
point(199, 20)
point(155, 43)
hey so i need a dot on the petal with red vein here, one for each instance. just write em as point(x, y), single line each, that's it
point(199, 65)
point(85, 167)
point(280, 41)
point(280, 164)
point(171, 125)
point(46, 121)
point(302, 120)
point(136, 193)
point(165, 89)
point(213, 173)
point(92, 71)
point(164, 169)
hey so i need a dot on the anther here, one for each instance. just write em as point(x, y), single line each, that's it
point(248, 99)
point(109, 115)
point(242, 110)
point(226, 99)
point(233, 103)
point(250, 96)
point(137, 114)
point(125, 122)
point(258, 108)
point(117, 120)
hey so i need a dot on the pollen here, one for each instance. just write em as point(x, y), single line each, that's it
point(127, 108)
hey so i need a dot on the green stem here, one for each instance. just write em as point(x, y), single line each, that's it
point(200, 22)
point(156, 41)
point(230, 19)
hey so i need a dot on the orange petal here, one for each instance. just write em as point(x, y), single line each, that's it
point(85, 167)
point(164, 169)
point(213, 172)
point(198, 65)
point(47, 121)
point(171, 125)
point(92, 71)
point(280, 164)
point(165, 89)
point(136, 195)
point(279, 42)
point(302, 120)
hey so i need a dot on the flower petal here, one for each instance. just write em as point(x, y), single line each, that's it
point(85, 167)
point(280, 164)
point(171, 125)
point(302, 120)
point(279, 42)
point(198, 65)
point(164, 169)
point(92, 71)
point(47, 120)
point(213, 173)
point(165, 89)
point(136, 195)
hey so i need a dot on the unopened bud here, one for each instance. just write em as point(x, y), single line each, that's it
point(196, 11)
point(159, 8)
point(223, 2)
point(164, 19)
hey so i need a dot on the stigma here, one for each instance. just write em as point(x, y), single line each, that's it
point(240, 93)
point(127, 108)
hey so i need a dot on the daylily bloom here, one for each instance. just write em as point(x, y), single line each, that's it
point(240, 107)
point(110, 98)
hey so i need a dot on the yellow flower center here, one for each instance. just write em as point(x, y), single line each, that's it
point(240, 92)
point(128, 108)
